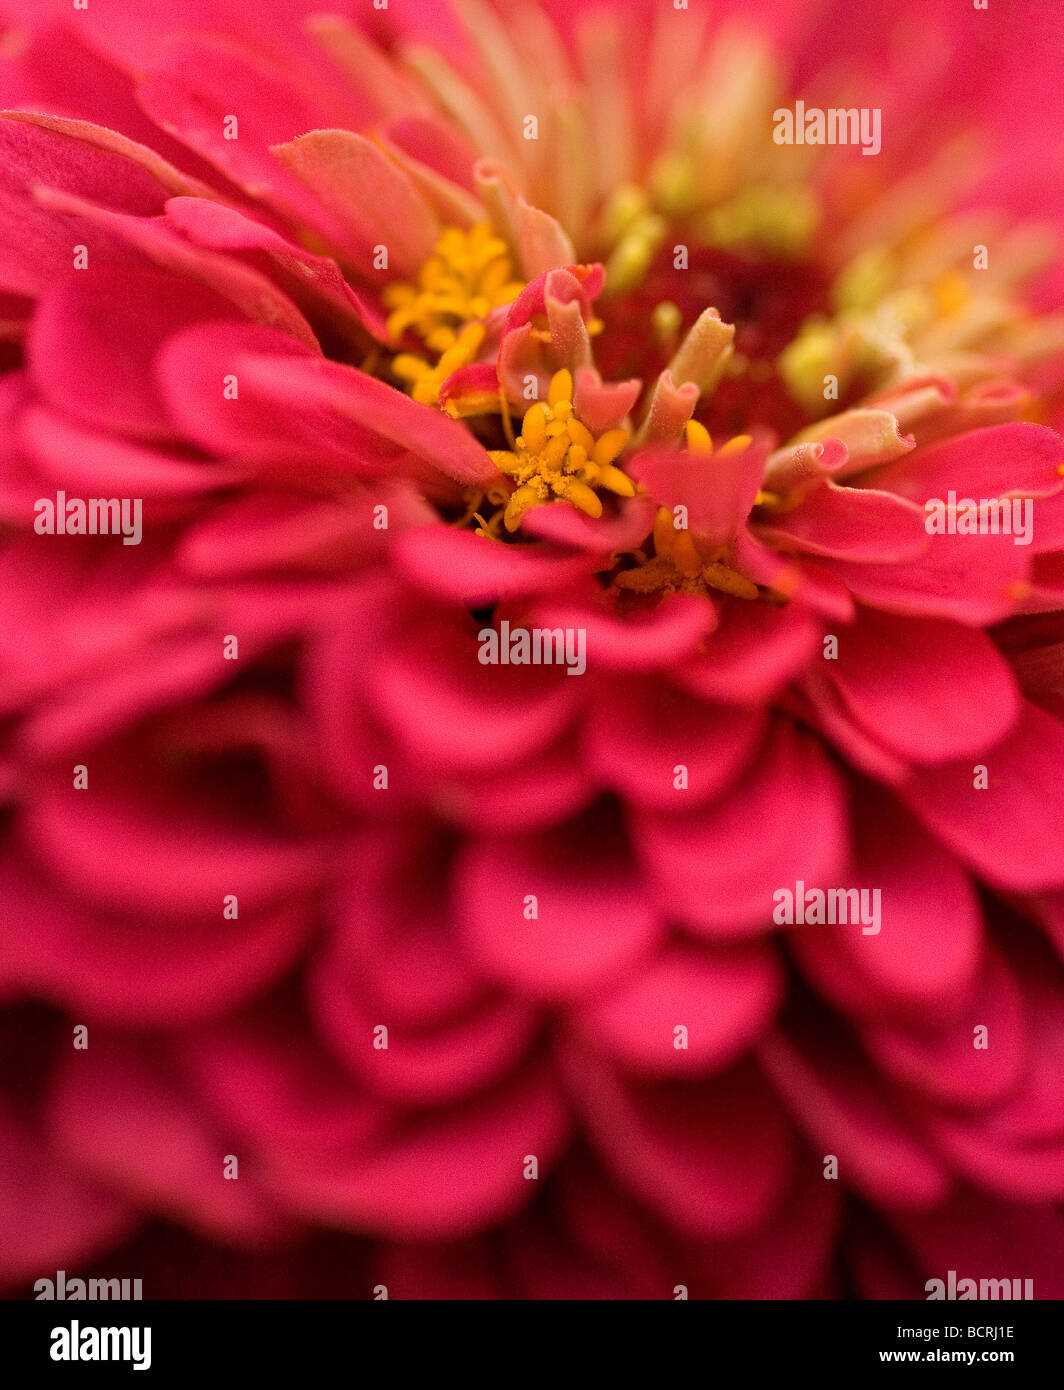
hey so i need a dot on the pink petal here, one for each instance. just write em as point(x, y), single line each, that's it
point(716, 870)
point(451, 1173)
point(72, 353)
point(638, 642)
point(835, 1097)
point(367, 193)
point(639, 731)
point(930, 690)
point(454, 713)
point(723, 998)
point(850, 524)
point(123, 1123)
point(1005, 460)
point(755, 650)
point(1007, 832)
point(593, 924)
point(711, 1161)
point(974, 580)
point(461, 567)
point(939, 1060)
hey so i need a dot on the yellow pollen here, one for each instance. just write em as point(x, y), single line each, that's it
point(556, 455)
point(424, 381)
point(467, 276)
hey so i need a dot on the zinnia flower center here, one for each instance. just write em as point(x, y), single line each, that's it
point(469, 274)
point(556, 455)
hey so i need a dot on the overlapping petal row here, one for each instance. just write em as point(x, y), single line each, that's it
point(384, 370)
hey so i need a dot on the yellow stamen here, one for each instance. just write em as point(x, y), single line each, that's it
point(735, 445)
point(698, 440)
point(467, 276)
point(556, 455)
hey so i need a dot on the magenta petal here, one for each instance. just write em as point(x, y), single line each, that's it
point(90, 464)
point(253, 293)
point(50, 1215)
point(550, 787)
point(1005, 460)
point(832, 718)
point(850, 524)
point(311, 281)
point(918, 961)
point(974, 580)
point(133, 970)
point(930, 690)
point(36, 246)
point(189, 91)
point(367, 193)
point(462, 567)
point(717, 869)
point(755, 650)
point(314, 387)
point(939, 1060)
point(254, 426)
point(838, 1101)
point(561, 523)
point(979, 1236)
point(434, 708)
point(640, 731)
point(806, 1224)
point(421, 1066)
point(643, 642)
point(723, 998)
point(124, 1121)
point(451, 1173)
point(277, 1093)
point(711, 1162)
point(591, 926)
point(135, 857)
point(1009, 832)
point(94, 339)
point(717, 491)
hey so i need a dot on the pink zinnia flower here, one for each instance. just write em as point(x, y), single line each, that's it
point(497, 320)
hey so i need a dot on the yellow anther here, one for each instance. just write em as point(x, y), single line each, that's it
point(580, 495)
point(561, 388)
point(425, 381)
point(685, 554)
point(735, 445)
point(622, 208)
point(556, 455)
point(728, 581)
point(663, 531)
point(580, 434)
point(631, 258)
point(519, 503)
point(534, 429)
point(617, 481)
point(666, 321)
point(467, 276)
point(609, 445)
point(698, 440)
